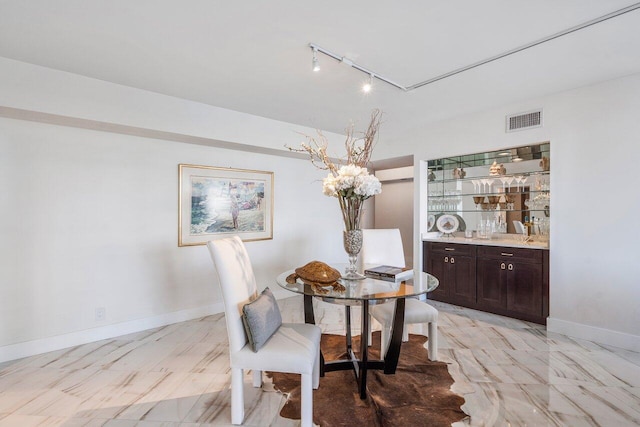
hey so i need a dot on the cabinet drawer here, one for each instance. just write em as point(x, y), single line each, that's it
point(452, 248)
point(533, 256)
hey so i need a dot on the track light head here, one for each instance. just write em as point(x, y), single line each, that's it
point(366, 88)
point(315, 64)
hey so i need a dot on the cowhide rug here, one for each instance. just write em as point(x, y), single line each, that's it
point(418, 394)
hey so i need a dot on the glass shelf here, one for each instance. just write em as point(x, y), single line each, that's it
point(458, 211)
point(496, 178)
point(451, 196)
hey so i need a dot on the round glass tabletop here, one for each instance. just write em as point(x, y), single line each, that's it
point(372, 290)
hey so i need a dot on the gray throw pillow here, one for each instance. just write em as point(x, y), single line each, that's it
point(261, 318)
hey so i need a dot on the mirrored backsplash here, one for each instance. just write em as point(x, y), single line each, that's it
point(491, 193)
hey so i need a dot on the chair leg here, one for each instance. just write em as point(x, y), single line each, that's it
point(369, 331)
point(306, 400)
point(385, 338)
point(405, 333)
point(432, 344)
point(237, 396)
point(257, 378)
point(316, 372)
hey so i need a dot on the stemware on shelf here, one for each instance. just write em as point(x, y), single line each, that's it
point(518, 181)
point(476, 185)
point(510, 199)
point(478, 201)
point(504, 180)
point(510, 182)
point(490, 183)
point(485, 183)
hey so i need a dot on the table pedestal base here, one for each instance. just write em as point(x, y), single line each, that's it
point(361, 365)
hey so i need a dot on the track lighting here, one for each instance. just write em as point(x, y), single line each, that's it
point(315, 65)
point(367, 86)
point(515, 50)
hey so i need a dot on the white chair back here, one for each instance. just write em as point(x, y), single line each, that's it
point(382, 247)
point(237, 282)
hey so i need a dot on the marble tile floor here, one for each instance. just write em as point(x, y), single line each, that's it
point(511, 373)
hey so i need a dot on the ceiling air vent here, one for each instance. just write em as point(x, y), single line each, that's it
point(522, 121)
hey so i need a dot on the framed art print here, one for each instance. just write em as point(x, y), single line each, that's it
point(216, 201)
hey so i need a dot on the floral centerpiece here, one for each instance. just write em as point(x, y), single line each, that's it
point(351, 185)
point(349, 181)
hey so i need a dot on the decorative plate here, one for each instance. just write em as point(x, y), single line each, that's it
point(462, 225)
point(447, 224)
point(431, 221)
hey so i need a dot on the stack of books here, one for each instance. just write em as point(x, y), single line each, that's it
point(389, 273)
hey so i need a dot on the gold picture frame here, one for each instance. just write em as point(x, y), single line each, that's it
point(215, 201)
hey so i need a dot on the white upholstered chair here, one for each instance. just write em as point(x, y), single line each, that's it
point(293, 348)
point(384, 247)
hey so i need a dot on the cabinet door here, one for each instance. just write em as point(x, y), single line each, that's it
point(437, 267)
point(524, 288)
point(462, 275)
point(492, 283)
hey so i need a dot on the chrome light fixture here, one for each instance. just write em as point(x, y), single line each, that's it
point(315, 64)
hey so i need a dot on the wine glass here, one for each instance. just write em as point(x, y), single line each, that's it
point(493, 202)
point(509, 182)
point(518, 181)
point(504, 180)
point(476, 185)
point(489, 182)
point(477, 200)
point(511, 199)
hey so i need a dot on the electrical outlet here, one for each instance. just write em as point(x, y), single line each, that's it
point(101, 313)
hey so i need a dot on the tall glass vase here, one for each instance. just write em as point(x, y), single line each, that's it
point(352, 245)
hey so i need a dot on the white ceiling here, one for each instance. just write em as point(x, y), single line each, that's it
point(253, 56)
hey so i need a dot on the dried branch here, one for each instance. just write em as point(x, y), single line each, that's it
point(317, 151)
point(359, 150)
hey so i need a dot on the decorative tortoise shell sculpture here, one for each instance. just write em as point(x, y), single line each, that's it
point(318, 275)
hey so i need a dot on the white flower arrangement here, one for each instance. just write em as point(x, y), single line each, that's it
point(351, 185)
point(351, 181)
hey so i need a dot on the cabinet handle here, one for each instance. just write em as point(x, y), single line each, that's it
point(506, 254)
point(453, 261)
point(502, 266)
point(446, 259)
point(510, 267)
point(449, 249)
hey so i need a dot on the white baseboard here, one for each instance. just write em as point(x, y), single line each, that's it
point(44, 345)
point(593, 333)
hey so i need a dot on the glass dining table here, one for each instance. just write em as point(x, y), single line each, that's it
point(363, 293)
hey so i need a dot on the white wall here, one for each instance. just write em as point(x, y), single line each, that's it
point(594, 133)
point(89, 218)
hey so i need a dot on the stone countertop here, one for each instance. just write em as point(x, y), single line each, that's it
point(512, 242)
